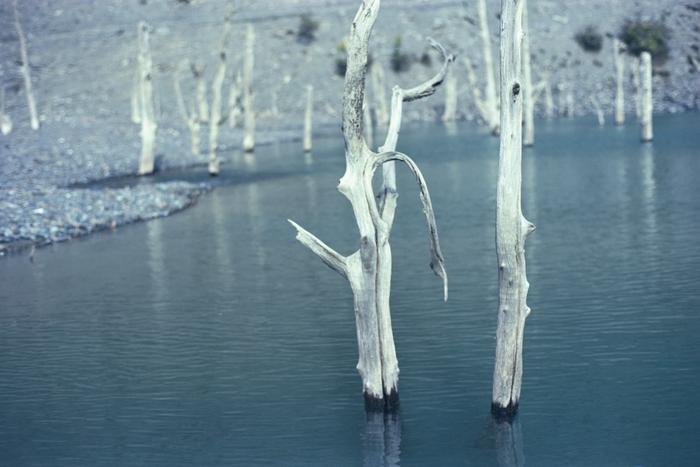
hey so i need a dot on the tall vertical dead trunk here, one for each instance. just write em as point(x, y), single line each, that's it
point(5, 120)
point(379, 93)
point(136, 99)
point(368, 270)
point(528, 101)
point(216, 101)
point(598, 110)
point(511, 226)
point(248, 99)
point(647, 103)
point(619, 82)
point(450, 113)
point(201, 90)
point(31, 102)
point(636, 87)
point(308, 116)
point(490, 102)
point(234, 101)
point(191, 118)
point(148, 121)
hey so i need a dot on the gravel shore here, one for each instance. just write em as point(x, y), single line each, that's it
point(83, 59)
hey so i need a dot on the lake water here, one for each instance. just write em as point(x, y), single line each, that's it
point(213, 338)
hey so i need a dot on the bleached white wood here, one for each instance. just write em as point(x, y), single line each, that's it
point(234, 101)
point(216, 101)
point(511, 226)
point(367, 125)
point(490, 102)
point(647, 103)
point(366, 268)
point(25, 70)
point(636, 87)
point(201, 90)
point(5, 120)
point(379, 93)
point(450, 113)
point(148, 122)
point(527, 90)
point(135, 100)
point(619, 64)
point(308, 118)
point(190, 118)
point(248, 98)
point(598, 110)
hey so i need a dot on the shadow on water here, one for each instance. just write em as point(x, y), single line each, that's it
point(381, 439)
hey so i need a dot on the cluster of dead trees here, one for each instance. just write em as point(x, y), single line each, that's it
point(239, 109)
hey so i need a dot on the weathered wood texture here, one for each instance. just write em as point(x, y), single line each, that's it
point(619, 64)
point(217, 85)
point(368, 270)
point(511, 226)
point(25, 70)
point(647, 119)
point(191, 118)
point(148, 120)
point(248, 98)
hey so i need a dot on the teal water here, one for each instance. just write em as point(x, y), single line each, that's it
point(213, 338)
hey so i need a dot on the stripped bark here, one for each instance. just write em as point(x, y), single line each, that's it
point(191, 118)
point(201, 83)
point(490, 102)
point(511, 226)
point(528, 101)
point(248, 99)
point(598, 110)
point(619, 64)
point(647, 103)
point(308, 118)
point(5, 120)
point(636, 87)
point(235, 105)
point(450, 113)
point(24, 69)
point(379, 94)
point(136, 100)
point(216, 101)
point(367, 268)
point(148, 122)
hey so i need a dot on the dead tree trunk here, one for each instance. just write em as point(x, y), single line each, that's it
point(379, 93)
point(619, 82)
point(528, 101)
point(647, 103)
point(191, 118)
point(5, 120)
point(366, 269)
point(490, 103)
point(450, 114)
point(308, 118)
point(637, 87)
point(136, 99)
point(31, 102)
point(201, 90)
point(148, 121)
point(598, 110)
point(216, 101)
point(248, 99)
point(234, 101)
point(511, 226)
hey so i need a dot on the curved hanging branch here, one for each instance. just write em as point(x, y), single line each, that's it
point(437, 262)
point(429, 87)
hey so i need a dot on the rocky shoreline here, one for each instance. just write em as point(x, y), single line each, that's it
point(83, 61)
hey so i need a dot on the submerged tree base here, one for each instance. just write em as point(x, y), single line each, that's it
point(389, 403)
point(501, 413)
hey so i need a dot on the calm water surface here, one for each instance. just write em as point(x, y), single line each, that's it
point(212, 338)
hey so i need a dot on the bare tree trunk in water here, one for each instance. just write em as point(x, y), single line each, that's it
point(216, 101)
point(511, 226)
point(364, 269)
point(490, 102)
point(379, 93)
point(598, 110)
point(450, 114)
point(5, 120)
point(619, 82)
point(528, 102)
point(24, 69)
point(136, 99)
point(234, 101)
point(148, 123)
point(647, 103)
point(637, 87)
point(248, 99)
point(190, 118)
point(308, 118)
